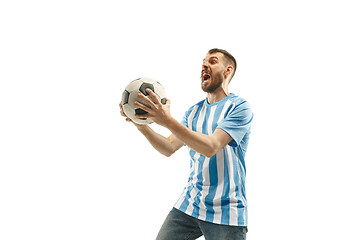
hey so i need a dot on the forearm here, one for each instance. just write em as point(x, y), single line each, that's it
point(201, 143)
point(159, 142)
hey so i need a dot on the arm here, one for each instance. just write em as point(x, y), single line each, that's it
point(166, 146)
point(207, 145)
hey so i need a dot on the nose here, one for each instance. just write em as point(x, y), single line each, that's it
point(205, 66)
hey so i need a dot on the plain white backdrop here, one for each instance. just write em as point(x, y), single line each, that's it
point(72, 168)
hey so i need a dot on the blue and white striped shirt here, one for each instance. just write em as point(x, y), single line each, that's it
point(216, 187)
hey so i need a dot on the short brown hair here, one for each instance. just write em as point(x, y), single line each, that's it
point(228, 57)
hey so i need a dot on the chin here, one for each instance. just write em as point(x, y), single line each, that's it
point(206, 89)
point(211, 88)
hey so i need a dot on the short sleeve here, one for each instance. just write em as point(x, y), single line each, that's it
point(237, 122)
point(184, 119)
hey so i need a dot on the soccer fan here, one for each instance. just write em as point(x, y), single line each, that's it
point(216, 130)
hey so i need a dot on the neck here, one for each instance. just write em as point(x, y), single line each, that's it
point(218, 95)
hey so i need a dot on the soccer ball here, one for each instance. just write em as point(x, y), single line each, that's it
point(129, 96)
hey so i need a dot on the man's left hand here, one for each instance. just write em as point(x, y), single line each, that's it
point(156, 111)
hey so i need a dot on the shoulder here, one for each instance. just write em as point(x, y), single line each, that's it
point(238, 102)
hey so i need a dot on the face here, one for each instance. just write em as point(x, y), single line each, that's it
point(212, 73)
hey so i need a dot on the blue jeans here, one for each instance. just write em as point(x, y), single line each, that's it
point(180, 226)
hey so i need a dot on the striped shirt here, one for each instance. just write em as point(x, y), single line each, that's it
point(216, 187)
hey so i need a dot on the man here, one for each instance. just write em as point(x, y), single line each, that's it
point(216, 130)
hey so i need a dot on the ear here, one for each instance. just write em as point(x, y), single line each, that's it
point(228, 71)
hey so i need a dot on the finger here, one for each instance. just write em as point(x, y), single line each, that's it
point(153, 96)
point(121, 107)
point(146, 115)
point(146, 100)
point(142, 106)
point(122, 111)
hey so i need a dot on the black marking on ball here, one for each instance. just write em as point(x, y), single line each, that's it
point(140, 111)
point(125, 97)
point(144, 86)
point(163, 101)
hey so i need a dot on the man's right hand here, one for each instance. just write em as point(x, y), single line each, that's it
point(123, 113)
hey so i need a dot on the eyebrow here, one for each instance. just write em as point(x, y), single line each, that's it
point(212, 58)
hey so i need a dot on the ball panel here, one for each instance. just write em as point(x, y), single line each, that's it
point(140, 111)
point(125, 97)
point(144, 86)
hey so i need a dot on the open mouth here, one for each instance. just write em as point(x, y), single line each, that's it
point(205, 76)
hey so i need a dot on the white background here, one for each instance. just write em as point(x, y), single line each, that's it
point(72, 168)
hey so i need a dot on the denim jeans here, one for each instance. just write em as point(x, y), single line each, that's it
point(180, 226)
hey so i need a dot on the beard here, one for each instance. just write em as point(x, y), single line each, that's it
point(216, 82)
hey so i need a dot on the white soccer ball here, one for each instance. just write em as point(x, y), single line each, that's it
point(129, 96)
